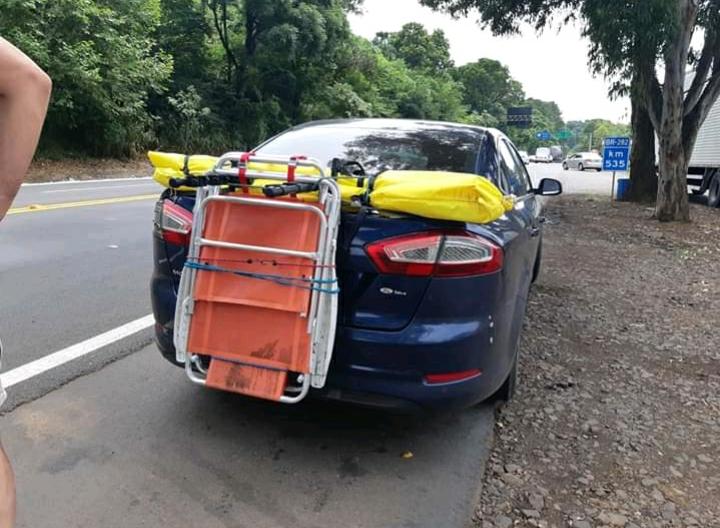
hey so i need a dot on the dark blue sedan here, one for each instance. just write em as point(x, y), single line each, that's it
point(414, 331)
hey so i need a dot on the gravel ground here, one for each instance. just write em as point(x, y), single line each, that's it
point(617, 418)
point(86, 169)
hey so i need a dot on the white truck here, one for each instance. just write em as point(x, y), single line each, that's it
point(704, 171)
point(542, 155)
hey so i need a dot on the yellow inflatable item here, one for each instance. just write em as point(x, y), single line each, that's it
point(168, 166)
point(431, 194)
point(440, 195)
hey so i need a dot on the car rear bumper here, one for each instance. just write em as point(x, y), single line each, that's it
point(353, 378)
point(377, 363)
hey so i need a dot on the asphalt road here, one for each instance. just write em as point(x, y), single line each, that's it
point(574, 182)
point(67, 275)
point(587, 182)
point(63, 192)
point(134, 444)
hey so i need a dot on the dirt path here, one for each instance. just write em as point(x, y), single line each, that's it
point(617, 420)
point(86, 169)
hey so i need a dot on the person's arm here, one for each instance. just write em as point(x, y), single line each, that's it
point(24, 95)
point(7, 492)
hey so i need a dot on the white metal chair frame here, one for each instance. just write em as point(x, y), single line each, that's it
point(323, 310)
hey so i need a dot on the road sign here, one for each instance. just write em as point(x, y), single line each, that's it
point(544, 135)
point(564, 134)
point(519, 116)
point(616, 153)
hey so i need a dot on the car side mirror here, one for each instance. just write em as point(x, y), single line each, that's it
point(549, 187)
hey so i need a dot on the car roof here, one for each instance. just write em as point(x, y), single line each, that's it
point(393, 124)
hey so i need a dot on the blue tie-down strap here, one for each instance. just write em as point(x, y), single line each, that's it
point(319, 285)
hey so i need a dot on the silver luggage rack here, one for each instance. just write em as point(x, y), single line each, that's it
point(233, 169)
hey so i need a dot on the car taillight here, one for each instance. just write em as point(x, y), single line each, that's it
point(451, 377)
point(440, 254)
point(173, 222)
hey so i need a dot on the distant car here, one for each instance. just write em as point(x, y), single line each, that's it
point(524, 156)
point(582, 161)
point(543, 155)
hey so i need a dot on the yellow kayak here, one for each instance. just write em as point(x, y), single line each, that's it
point(440, 195)
point(431, 194)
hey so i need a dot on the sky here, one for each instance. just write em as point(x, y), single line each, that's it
point(551, 66)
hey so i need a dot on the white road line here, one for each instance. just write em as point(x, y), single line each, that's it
point(108, 180)
point(101, 188)
point(39, 366)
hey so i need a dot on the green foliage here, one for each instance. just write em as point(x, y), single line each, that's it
point(184, 31)
point(645, 49)
point(419, 49)
point(589, 135)
point(546, 116)
point(489, 89)
point(217, 75)
point(104, 62)
point(189, 117)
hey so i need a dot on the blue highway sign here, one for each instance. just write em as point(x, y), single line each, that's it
point(544, 135)
point(616, 154)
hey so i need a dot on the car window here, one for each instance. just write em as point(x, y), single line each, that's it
point(514, 169)
point(436, 148)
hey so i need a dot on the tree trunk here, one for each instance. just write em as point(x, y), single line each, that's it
point(672, 201)
point(643, 174)
point(672, 198)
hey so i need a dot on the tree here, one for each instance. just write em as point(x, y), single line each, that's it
point(489, 88)
point(675, 115)
point(546, 116)
point(597, 129)
point(416, 47)
point(187, 105)
point(218, 75)
point(420, 62)
point(182, 34)
point(104, 63)
point(643, 174)
point(632, 40)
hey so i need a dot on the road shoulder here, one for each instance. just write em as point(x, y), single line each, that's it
point(617, 420)
point(135, 444)
point(45, 170)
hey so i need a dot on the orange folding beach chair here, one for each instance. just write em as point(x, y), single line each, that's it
point(258, 298)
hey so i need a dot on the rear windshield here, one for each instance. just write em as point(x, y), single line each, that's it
point(437, 149)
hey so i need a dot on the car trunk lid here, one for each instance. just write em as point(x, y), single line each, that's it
point(368, 299)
